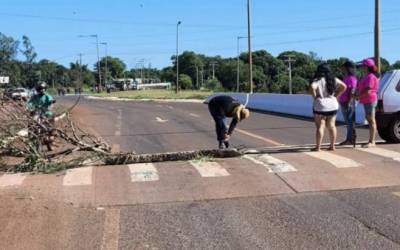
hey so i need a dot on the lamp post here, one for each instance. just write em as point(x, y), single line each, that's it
point(238, 62)
point(106, 69)
point(98, 57)
point(378, 35)
point(177, 56)
point(249, 43)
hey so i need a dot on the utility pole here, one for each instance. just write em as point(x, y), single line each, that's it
point(177, 56)
point(106, 69)
point(80, 70)
point(249, 44)
point(289, 59)
point(238, 63)
point(202, 75)
point(378, 35)
point(213, 64)
point(197, 76)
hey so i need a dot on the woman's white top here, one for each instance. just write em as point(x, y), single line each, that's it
point(324, 101)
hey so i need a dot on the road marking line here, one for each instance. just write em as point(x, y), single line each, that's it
point(272, 164)
point(209, 169)
point(111, 229)
point(336, 160)
point(8, 180)
point(259, 137)
point(170, 107)
point(78, 177)
point(160, 120)
point(143, 172)
point(194, 115)
point(382, 152)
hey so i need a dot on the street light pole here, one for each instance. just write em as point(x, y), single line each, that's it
point(249, 43)
point(98, 57)
point(238, 63)
point(378, 35)
point(106, 69)
point(177, 56)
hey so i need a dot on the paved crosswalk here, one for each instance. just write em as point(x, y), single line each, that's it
point(272, 164)
point(288, 165)
point(209, 168)
point(336, 160)
point(8, 180)
point(78, 177)
point(143, 172)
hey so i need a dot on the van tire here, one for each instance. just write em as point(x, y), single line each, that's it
point(384, 133)
point(394, 130)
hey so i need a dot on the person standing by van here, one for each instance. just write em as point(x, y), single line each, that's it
point(346, 100)
point(325, 90)
point(368, 96)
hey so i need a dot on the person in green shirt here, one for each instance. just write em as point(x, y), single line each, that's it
point(41, 101)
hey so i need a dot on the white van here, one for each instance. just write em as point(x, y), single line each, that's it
point(388, 111)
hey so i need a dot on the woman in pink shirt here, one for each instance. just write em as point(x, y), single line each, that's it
point(368, 96)
point(346, 100)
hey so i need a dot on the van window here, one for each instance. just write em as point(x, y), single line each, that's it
point(398, 86)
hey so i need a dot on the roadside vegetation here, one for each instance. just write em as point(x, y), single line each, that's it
point(158, 94)
point(196, 71)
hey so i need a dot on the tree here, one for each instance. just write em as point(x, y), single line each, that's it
point(115, 67)
point(227, 74)
point(188, 61)
point(185, 82)
point(8, 48)
point(168, 74)
point(396, 65)
point(29, 50)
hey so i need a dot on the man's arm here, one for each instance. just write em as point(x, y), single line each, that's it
point(232, 126)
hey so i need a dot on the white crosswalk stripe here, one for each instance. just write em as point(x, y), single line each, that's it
point(334, 159)
point(78, 177)
point(9, 180)
point(143, 172)
point(209, 169)
point(272, 164)
point(382, 152)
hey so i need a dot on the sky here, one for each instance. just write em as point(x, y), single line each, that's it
point(145, 30)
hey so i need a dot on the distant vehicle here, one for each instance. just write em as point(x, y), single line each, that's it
point(388, 111)
point(20, 94)
point(111, 87)
point(123, 83)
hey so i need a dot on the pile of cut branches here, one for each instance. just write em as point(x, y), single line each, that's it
point(24, 148)
point(24, 137)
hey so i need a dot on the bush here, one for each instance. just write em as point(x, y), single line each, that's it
point(185, 82)
point(213, 85)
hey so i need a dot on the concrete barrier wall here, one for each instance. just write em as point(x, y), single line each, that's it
point(300, 105)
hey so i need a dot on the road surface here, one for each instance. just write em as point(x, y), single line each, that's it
point(348, 199)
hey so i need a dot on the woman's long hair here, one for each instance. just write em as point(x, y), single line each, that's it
point(324, 71)
point(350, 68)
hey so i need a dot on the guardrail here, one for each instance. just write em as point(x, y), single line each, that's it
point(299, 105)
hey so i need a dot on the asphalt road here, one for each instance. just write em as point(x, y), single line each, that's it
point(149, 127)
point(348, 199)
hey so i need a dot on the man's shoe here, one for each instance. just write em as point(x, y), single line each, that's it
point(345, 143)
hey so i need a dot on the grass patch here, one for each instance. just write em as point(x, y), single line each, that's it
point(158, 94)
